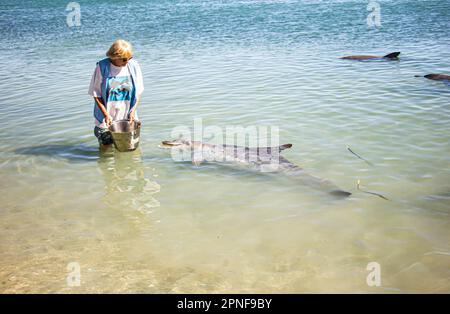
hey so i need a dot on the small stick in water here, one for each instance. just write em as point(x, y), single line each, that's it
point(373, 193)
point(368, 162)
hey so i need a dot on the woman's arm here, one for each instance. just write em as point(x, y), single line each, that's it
point(133, 111)
point(98, 100)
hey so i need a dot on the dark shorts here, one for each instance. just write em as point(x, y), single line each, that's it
point(103, 135)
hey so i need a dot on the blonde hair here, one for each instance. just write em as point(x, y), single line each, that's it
point(120, 49)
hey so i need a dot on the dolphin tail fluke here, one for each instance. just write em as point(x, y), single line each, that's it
point(392, 55)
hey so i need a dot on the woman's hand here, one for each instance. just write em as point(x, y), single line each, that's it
point(133, 110)
point(131, 116)
point(108, 120)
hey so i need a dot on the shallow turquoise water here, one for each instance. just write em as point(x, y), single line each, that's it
point(140, 222)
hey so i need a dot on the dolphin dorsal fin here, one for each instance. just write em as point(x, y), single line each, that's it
point(284, 146)
point(392, 55)
point(271, 150)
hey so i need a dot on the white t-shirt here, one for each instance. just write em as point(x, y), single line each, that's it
point(120, 88)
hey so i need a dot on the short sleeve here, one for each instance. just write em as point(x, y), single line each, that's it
point(95, 88)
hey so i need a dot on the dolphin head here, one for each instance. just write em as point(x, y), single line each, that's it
point(432, 76)
point(179, 143)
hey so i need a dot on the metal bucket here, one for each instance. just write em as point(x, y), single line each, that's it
point(125, 135)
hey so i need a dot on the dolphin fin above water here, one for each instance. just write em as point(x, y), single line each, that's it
point(390, 56)
point(284, 146)
point(272, 149)
point(268, 149)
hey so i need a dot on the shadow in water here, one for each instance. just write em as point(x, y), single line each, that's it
point(71, 152)
point(124, 173)
point(126, 184)
point(437, 202)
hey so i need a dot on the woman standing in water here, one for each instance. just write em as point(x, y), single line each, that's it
point(116, 86)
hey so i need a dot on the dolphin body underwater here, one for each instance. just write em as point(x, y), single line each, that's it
point(258, 157)
point(391, 56)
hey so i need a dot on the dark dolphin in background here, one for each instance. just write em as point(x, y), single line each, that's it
point(436, 77)
point(391, 56)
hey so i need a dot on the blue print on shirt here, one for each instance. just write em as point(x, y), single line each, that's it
point(119, 88)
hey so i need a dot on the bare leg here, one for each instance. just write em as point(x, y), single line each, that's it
point(104, 148)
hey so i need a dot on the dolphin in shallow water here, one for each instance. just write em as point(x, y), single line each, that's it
point(391, 56)
point(263, 159)
point(436, 77)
